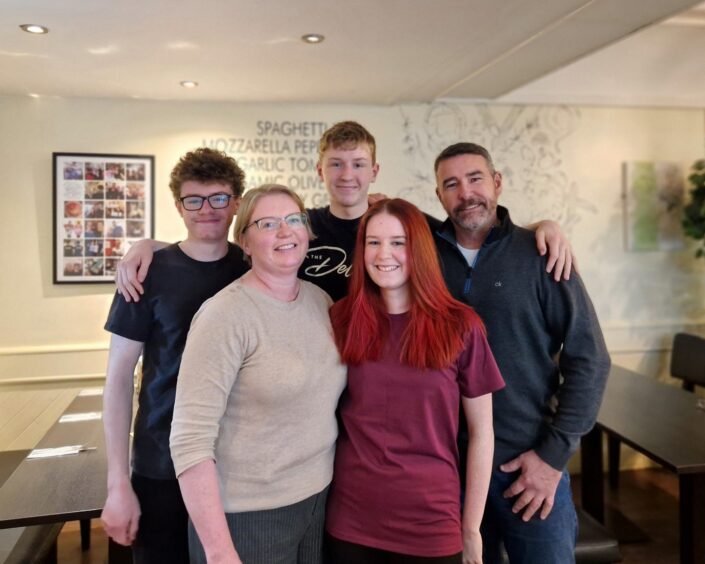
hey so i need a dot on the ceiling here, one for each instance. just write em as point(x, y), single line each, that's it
point(388, 52)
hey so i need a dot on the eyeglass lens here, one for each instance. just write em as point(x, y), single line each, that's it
point(216, 201)
point(293, 220)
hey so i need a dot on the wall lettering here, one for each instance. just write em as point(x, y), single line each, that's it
point(281, 152)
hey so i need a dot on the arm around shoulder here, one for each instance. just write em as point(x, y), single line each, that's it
point(132, 268)
point(551, 239)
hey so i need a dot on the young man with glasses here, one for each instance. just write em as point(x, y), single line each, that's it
point(146, 509)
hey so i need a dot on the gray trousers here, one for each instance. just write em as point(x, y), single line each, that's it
point(286, 535)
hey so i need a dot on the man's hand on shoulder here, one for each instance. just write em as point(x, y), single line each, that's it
point(551, 239)
point(536, 485)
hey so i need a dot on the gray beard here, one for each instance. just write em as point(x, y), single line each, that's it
point(476, 222)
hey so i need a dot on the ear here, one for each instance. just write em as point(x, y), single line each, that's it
point(497, 183)
point(375, 171)
point(179, 208)
point(243, 245)
point(237, 201)
point(319, 170)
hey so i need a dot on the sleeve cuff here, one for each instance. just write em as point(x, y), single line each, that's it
point(556, 448)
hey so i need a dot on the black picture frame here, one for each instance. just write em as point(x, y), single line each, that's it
point(103, 202)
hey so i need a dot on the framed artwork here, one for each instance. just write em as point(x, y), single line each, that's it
point(653, 193)
point(102, 204)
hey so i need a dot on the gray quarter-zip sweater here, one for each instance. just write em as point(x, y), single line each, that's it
point(544, 335)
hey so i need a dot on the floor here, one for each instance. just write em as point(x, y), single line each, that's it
point(69, 545)
point(647, 497)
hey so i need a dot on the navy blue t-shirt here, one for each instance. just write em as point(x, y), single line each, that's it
point(175, 288)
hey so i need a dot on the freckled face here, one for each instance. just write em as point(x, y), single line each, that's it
point(386, 253)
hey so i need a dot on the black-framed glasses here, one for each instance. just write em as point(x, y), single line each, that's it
point(216, 201)
point(293, 220)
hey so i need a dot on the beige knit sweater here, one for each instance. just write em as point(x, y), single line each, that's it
point(257, 391)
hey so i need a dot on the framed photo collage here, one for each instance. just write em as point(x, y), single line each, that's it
point(102, 204)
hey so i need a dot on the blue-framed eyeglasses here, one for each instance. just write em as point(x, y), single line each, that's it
point(216, 201)
point(293, 220)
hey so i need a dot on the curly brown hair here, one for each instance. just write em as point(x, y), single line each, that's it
point(207, 166)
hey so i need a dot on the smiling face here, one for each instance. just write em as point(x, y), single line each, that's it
point(468, 191)
point(386, 254)
point(282, 250)
point(207, 224)
point(347, 174)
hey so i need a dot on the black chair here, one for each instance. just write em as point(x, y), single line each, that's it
point(595, 545)
point(687, 364)
point(688, 360)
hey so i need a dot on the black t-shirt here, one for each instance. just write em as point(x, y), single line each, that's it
point(327, 263)
point(175, 288)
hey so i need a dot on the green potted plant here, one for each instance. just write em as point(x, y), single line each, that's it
point(694, 212)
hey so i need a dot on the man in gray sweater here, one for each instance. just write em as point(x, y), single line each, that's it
point(549, 347)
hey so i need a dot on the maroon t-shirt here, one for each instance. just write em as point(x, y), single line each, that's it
point(396, 485)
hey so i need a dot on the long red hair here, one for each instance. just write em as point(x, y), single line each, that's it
point(438, 323)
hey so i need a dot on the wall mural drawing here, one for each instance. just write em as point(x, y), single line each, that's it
point(526, 143)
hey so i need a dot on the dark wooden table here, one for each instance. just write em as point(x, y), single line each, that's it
point(663, 423)
point(63, 488)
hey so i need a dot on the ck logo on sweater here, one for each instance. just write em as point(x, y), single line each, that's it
point(498, 284)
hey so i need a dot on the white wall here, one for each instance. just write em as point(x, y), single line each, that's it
point(559, 162)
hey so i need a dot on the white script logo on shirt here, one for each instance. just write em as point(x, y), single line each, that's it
point(331, 260)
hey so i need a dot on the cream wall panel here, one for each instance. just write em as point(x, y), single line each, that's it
point(64, 363)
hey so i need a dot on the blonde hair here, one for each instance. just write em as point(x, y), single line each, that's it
point(249, 201)
point(347, 135)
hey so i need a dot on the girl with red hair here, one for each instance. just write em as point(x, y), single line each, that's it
point(414, 354)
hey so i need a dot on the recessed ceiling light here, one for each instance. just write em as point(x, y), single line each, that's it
point(188, 83)
point(312, 38)
point(33, 95)
point(34, 28)
point(181, 45)
point(106, 50)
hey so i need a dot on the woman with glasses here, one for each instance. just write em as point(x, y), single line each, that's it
point(254, 429)
point(414, 354)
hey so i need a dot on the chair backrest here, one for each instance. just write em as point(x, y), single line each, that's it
point(688, 360)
